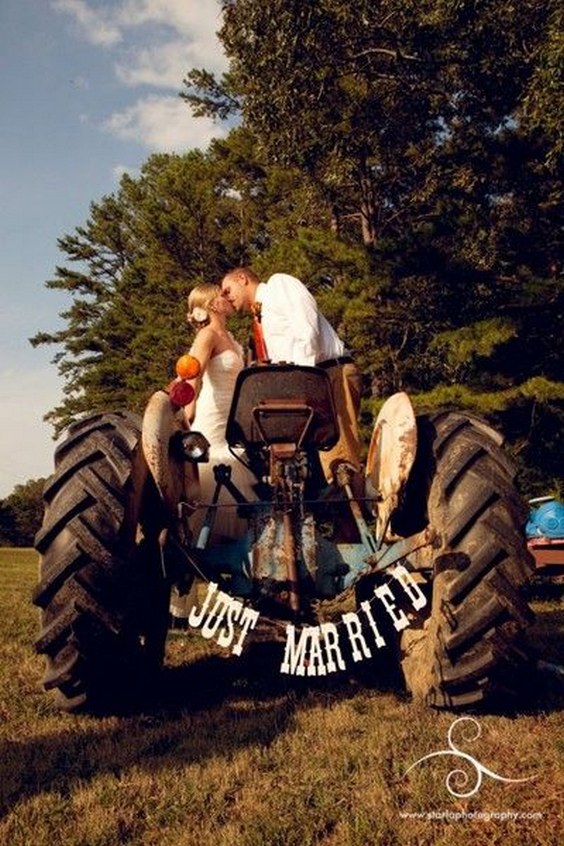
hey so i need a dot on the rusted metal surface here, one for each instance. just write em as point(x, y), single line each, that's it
point(344, 474)
point(401, 549)
point(160, 422)
point(309, 547)
point(291, 564)
point(287, 418)
point(547, 553)
point(285, 560)
point(271, 564)
point(548, 556)
point(391, 455)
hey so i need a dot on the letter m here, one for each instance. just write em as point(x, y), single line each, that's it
point(295, 654)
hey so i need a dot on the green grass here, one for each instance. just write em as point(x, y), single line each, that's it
point(233, 756)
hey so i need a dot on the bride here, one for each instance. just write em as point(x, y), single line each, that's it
point(221, 360)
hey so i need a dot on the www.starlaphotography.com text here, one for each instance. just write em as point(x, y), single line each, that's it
point(480, 816)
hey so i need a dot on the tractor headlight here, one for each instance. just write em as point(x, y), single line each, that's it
point(195, 447)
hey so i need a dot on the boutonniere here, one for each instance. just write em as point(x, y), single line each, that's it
point(256, 309)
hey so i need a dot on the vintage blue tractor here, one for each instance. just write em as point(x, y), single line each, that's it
point(545, 539)
point(425, 573)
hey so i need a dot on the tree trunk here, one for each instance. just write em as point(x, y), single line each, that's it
point(367, 204)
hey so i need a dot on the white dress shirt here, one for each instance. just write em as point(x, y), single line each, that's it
point(294, 329)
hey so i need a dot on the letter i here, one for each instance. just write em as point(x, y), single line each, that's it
point(366, 607)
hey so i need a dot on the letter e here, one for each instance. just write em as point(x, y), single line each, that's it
point(386, 596)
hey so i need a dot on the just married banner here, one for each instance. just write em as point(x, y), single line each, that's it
point(312, 650)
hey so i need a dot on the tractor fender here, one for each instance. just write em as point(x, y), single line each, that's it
point(175, 479)
point(391, 455)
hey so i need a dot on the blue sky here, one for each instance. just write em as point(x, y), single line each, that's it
point(88, 90)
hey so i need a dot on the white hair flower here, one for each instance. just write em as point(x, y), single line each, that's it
point(199, 316)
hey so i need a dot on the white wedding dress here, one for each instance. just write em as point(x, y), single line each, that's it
point(212, 410)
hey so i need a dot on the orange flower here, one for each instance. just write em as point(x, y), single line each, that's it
point(187, 367)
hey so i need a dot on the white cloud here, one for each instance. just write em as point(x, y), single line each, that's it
point(26, 444)
point(163, 124)
point(155, 43)
point(95, 25)
point(120, 170)
point(195, 21)
point(196, 18)
point(164, 66)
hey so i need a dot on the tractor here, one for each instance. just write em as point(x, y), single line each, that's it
point(425, 576)
point(545, 539)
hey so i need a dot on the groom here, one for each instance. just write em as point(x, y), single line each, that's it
point(296, 332)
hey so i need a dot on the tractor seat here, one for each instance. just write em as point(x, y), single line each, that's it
point(282, 404)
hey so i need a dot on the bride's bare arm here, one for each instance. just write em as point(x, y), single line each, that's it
point(202, 349)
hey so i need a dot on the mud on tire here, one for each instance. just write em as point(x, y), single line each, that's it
point(470, 650)
point(103, 599)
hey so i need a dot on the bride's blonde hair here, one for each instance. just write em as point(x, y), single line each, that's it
point(200, 299)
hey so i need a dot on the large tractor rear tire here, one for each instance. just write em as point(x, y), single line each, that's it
point(102, 592)
point(470, 651)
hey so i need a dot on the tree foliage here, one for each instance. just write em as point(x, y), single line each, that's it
point(132, 265)
point(21, 514)
point(403, 159)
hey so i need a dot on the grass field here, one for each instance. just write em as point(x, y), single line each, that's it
point(226, 757)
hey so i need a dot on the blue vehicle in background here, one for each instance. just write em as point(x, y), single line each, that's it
point(545, 539)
